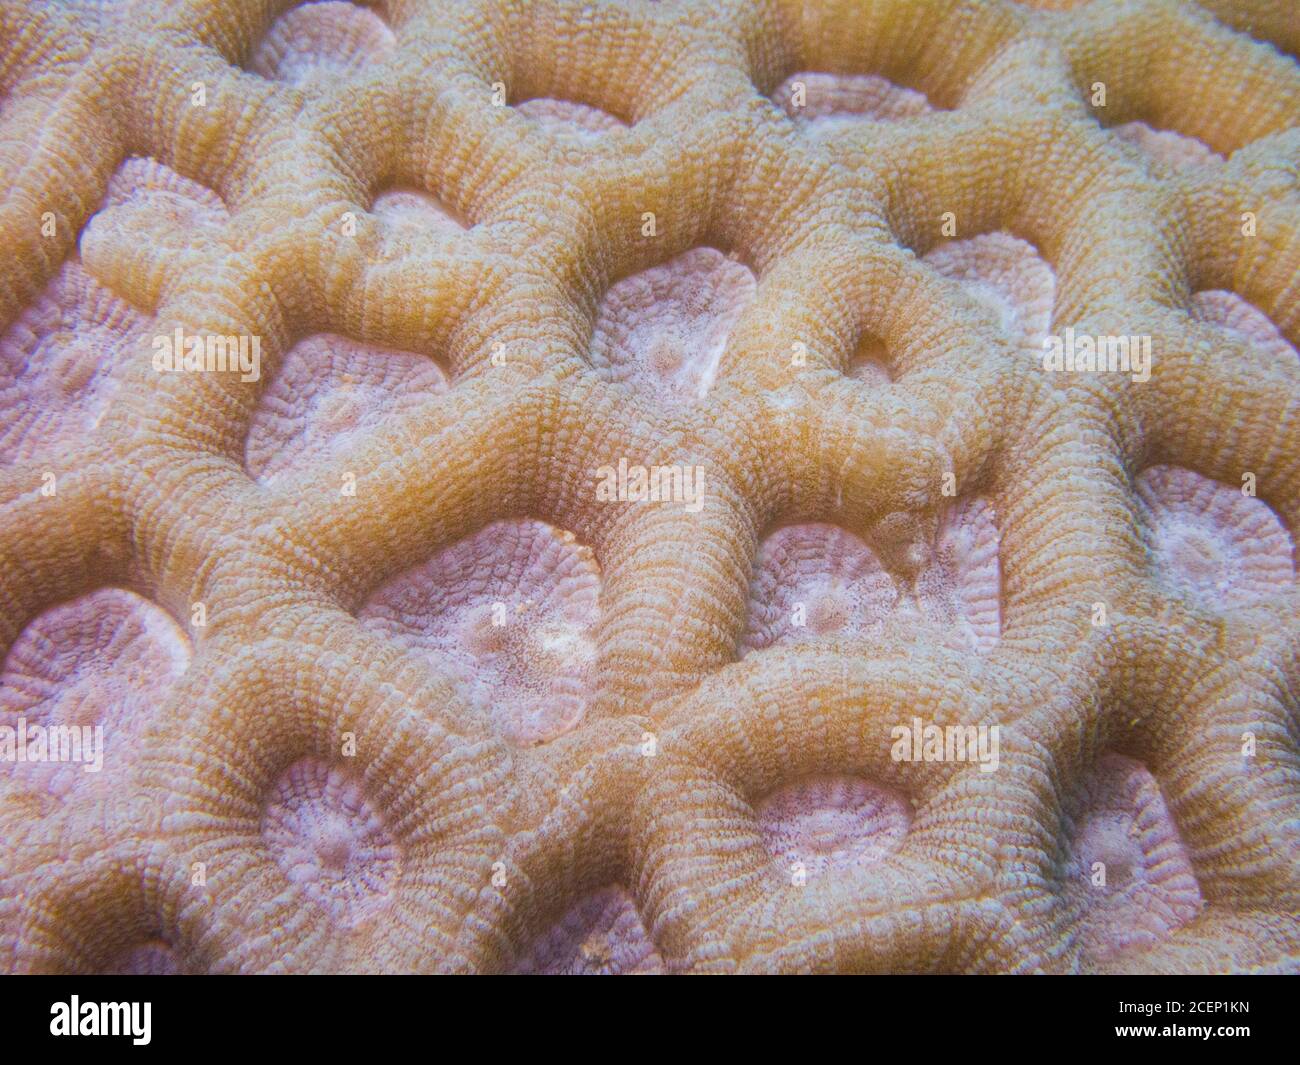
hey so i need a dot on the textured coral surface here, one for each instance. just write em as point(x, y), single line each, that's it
point(390, 678)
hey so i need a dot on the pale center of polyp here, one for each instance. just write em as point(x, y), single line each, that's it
point(824, 830)
point(1196, 555)
point(74, 365)
point(341, 410)
point(526, 641)
point(331, 838)
point(665, 356)
point(1109, 839)
point(831, 610)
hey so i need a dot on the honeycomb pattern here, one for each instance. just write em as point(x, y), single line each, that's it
point(809, 250)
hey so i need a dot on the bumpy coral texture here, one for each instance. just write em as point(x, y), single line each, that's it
point(390, 682)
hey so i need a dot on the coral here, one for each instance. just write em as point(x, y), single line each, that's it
point(328, 837)
point(510, 613)
point(57, 363)
point(815, 580)
point(1127, 868)
point(601, 935)
point(825, 824)
point(1210, 542)
point(663, 330)
point(322, 326)
point(327, 391)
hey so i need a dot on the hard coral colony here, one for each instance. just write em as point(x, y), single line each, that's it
point(747, 486)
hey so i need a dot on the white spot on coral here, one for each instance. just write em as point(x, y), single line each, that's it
point(835, 102)
point(510, 613)
point(831, 574)
point(570, 119)
point(1209, 542)
point(961, 587)
point(832, 823)
point(61, 359)
point(181, 204)
point(663, 331)
point(58, 361)
point(329, 391)
point(331, 840)
point(411, 211)
point(1243, 322)
point(942, 572)
point(106, 658)
point(1167, 147)
point(1009, 277)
